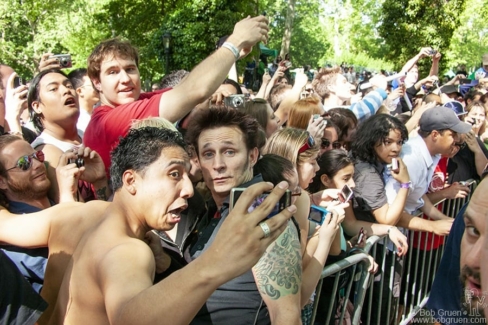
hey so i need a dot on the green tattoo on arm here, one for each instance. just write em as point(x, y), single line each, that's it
point(279, 271)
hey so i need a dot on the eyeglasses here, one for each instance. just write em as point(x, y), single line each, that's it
point(25, 162)
point(307, 145)
point(326, 143)
point(460, 145)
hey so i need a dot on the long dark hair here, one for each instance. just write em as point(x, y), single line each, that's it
point(373, 131)
point(330, 163)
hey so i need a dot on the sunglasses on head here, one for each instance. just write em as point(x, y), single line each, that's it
point(310, 143)
point(326, 143)
point(25, 162)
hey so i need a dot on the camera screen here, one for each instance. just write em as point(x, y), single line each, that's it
point(317, 214)
point(346, 193)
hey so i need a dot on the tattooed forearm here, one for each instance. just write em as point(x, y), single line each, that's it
point(101, 193)
point(278, 273)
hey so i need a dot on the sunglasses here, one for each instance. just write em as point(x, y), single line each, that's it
point(326, 143)
point(25, 162)
point(460, 145)
point(307, 145)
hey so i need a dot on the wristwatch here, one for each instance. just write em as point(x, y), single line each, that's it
point(406, 185)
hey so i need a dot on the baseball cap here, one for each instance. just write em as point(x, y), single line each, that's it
point(456, 106)
point(442, 118)
point(449, 89)
point(485, 59)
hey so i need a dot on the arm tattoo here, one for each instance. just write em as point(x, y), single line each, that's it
point(101, 193)
point(279, 272)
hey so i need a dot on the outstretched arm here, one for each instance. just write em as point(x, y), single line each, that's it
point(206, 77)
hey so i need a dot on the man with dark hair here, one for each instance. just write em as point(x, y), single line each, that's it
point(113, 67)
point(88, 97)
point(150, 177)
point(23, 189)
point(226, 144)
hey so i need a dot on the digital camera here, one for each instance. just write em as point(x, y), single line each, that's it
point(235, 101)
point(63, 59)
point(78, 161)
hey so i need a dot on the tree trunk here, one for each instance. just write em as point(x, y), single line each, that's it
point(290, 16)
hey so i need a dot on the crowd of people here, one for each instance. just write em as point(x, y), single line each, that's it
point(120, 206)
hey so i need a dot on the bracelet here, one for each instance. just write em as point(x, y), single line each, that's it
point(232, 48)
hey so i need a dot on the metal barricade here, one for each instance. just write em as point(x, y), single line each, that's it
point(356, 266)
point(381, 299)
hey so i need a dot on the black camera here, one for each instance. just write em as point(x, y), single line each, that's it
point(78, 161)
point(18, 82)
point(64, 60)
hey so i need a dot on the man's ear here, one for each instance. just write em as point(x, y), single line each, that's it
point(129, 181)
point(79, 92)
point(3, 183)
point(97, 84)
point(253, 157)
point(36, 108)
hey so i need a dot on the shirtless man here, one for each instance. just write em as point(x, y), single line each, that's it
point(110, 277)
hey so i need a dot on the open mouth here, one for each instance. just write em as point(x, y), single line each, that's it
point(70, 101)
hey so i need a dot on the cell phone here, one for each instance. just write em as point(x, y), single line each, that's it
point(287, 64)
point(63, 59)
point(464, 81)
point(18, 82)
point(282, 204)
point(316, 116)
point(345, 194)
point(266, 71)
point(317, 214)
point(360, 235)
point(394, 164)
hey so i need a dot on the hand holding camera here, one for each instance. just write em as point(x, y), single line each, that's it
point(55, 61)
point(316, 126)
point(248, 32)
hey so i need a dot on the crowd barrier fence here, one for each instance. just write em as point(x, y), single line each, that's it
point(404, 295)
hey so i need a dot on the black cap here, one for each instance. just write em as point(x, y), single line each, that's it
point(442, 118)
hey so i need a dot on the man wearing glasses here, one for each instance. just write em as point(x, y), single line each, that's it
point(88, 96)
point(23, 189)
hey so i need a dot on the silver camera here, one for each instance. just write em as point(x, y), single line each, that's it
point(63, 59)
point(235, 101)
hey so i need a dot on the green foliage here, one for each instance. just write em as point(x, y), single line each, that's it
point(469, 41)
point(308, 39)
point(360, 59)
point(408, 25)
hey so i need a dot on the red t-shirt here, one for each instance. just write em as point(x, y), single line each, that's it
point(107, 124)
point(436, 184)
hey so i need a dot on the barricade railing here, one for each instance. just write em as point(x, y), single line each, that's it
point(354, 269)
point(389, 299)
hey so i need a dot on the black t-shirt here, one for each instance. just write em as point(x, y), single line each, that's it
point(19, 303)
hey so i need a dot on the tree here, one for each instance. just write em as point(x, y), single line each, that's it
point(290, 17)
point(408, 25)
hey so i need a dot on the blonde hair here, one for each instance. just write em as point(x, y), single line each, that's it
point(302, 110)
point(287, 143)
point(156, 122)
